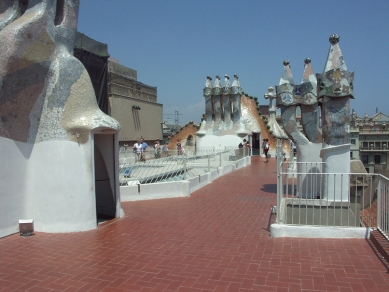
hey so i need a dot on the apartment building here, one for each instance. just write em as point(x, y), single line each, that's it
point(370, 141)
point(134, 105)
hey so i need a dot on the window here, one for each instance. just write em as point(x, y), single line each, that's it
point(365, 144)
point(353, 141)
point(365, 158)
point(378, 144)
point(351, 154)
point(377, 159)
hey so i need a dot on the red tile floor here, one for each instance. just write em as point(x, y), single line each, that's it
point(215, 240)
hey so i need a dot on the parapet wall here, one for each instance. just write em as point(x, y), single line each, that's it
point(178, 188)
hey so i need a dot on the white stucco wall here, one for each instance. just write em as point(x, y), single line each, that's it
point(336, 185)
point(219, 142)
point(36, 183)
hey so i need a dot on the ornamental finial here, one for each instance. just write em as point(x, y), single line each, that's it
point(334, 39)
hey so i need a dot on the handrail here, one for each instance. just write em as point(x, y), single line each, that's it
point(304, 199)
point(169, 165)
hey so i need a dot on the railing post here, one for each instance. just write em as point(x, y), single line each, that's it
point(185, 167)
point(209, 163)
point(379, 218)
point(279, 186)
point(220, 156)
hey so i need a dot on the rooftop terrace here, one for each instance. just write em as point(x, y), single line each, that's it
point(215, 240)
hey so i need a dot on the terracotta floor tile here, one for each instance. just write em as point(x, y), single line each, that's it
point(215, 240)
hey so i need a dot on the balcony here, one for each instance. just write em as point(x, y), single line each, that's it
point(373, 131)
point(373, 149)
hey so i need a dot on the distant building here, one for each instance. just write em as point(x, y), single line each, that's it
point(370, 141)
point(168, 129)
point(134, 105)
point(119, 93)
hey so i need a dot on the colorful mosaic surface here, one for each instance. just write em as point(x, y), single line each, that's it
point(46, 93)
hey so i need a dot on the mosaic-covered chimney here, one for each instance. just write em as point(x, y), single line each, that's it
point(335, 90)
point(217, 109)
point(227, 110)
point(223, 108)
point(289, 97)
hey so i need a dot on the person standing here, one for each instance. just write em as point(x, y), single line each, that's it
point(138, 149)
point(266, 147)
point(248, 146)
point(165, 150)
point(144, 145)
point(179, 147)
point(157, 149)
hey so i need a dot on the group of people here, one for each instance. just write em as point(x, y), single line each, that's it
point(141, 147)
point(244, 144)
point(265, 146)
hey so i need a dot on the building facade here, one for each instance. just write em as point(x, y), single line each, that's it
point(370, 141)
point(134, 105)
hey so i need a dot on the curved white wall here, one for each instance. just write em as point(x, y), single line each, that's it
point(51, 182)
point(219, 142)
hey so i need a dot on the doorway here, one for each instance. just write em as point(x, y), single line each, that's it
point(105, 190)
point(256, 145)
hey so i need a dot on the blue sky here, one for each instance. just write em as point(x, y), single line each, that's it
point(175, 44)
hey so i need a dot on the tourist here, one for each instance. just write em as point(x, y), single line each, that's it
point(138, 149)
point(144, 145)
point(165, 150)
point(157, 149)
point(248, 146)
point(266, 147)
point(179, 147)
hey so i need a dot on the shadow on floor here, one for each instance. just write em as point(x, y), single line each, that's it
point(269, 188)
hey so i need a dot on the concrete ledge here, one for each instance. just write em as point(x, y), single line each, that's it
point(227, 169)
point(381, 243)
point(198, 182)
point(155, 191)
point(128, 193)
point(214, 174)
point(281, 230)
point(177, 188)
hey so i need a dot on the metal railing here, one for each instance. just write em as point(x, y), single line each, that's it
point(172, 165)
point(307, 196)
point(383, 148)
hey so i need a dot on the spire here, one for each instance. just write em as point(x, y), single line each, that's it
point(207, 91)
point(227, 81)
point(208, 83)
point(308, 75)
point(217, 82)
point(286, 76)
point(285, 89)
point(335, 58)
point(236, 89)
point(335, 81)
point(236, 81)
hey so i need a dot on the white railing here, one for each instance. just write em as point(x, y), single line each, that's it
point(149, 167)
point(314, 198)
point(383, 205)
